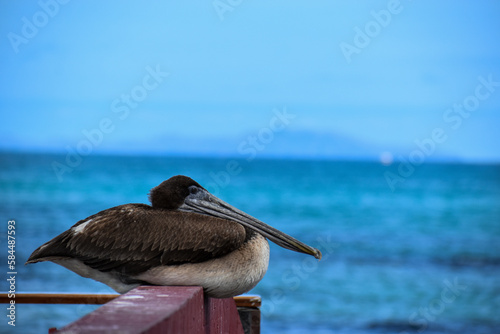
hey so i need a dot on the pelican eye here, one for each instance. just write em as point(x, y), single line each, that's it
point(193, 190)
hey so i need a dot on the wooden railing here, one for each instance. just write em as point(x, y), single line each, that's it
point(157, 309)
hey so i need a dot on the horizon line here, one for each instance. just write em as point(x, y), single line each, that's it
point(262, 156)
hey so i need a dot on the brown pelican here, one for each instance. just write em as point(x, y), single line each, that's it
point(186, 237)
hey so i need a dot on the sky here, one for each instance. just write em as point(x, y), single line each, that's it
point(327, 79)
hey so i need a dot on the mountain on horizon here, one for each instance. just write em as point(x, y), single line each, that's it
point(263, 144)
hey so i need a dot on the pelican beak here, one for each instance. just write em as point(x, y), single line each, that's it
point(205, 203)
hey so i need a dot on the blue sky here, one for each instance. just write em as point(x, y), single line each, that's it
point(358, 79)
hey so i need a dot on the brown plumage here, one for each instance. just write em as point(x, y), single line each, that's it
point(186, 231)
point(163, 237)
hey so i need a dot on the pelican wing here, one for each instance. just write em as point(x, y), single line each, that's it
point(132, 238)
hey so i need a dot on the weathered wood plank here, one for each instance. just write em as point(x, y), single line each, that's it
point(248, 301)
point(59, 298)
point(93, 298)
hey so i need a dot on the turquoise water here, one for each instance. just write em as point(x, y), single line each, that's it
point(422, 258)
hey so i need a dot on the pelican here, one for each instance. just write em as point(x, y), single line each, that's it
point(187, 236)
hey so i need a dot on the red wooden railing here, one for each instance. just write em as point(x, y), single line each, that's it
point(157, 309)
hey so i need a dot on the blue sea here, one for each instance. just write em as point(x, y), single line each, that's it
point(420, 256)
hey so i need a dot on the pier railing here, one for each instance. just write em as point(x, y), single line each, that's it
point(157, 309)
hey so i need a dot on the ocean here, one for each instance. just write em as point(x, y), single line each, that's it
point(420, 255)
